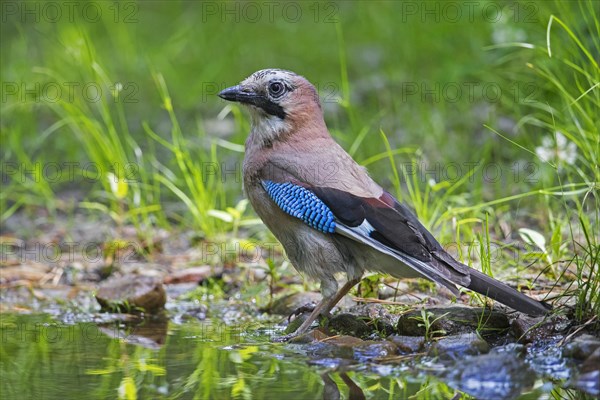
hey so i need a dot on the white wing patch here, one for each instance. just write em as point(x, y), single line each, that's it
point(365, 228)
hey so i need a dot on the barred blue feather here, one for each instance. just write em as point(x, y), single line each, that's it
point(301, 203)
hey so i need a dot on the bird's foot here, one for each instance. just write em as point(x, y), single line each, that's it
point(301, 337)
point(297, 323)
point(307, 308)
point(302, 324)
point(299, 329)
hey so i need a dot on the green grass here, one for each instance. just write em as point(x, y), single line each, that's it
point(159, 141)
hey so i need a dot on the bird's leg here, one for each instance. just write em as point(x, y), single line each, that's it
point(323, 304)
point(340, 294)
point(324, 307)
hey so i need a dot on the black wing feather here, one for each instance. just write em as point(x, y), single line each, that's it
point(394, 226)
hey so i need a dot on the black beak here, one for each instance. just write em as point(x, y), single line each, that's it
point(247, 96)
point(236, 93)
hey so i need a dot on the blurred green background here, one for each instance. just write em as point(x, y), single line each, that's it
point(429, 74)
point(469, 111)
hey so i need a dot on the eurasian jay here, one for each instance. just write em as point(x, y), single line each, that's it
point(326, 211)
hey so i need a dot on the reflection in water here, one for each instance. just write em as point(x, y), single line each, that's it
point(155, 359)
point(330, 388)
point(149, 332)
point(332, 392)
point(356, 392)
point(492, 376)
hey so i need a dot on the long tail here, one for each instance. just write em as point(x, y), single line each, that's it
point(490, 287)
point(479, 282)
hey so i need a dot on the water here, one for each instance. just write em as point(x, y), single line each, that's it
point(42, 358)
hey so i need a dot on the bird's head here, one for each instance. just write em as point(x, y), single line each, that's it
point(280, 103)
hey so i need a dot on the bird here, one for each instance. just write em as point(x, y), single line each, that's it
point(329, 215)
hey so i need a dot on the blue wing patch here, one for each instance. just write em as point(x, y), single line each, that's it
point(301, 203)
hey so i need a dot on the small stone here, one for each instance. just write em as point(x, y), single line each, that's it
point(459, 345)
point(309, 337)
point(131, 293)
point(370, 349)
point(322, 350)
point(348, 324)
point(407, 344)
point(334, 347)
point(27, 272)
point(452, 321)
point(528, 330)
point(372, 311)
point(344, 340)
point(380, 321)
point(381, 329)
point(581, 347)
point(193, 274)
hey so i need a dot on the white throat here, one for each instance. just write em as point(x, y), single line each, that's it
point(266, 128)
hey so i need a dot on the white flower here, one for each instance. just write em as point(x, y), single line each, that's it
point(558, 150)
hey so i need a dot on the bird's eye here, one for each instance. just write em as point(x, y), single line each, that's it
point(276, 89)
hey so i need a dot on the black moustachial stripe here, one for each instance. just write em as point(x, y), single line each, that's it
point(269, 107)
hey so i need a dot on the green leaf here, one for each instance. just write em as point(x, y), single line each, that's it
point(242, 205)
point(222, 215)
point(533, 238)
point(234, 213)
